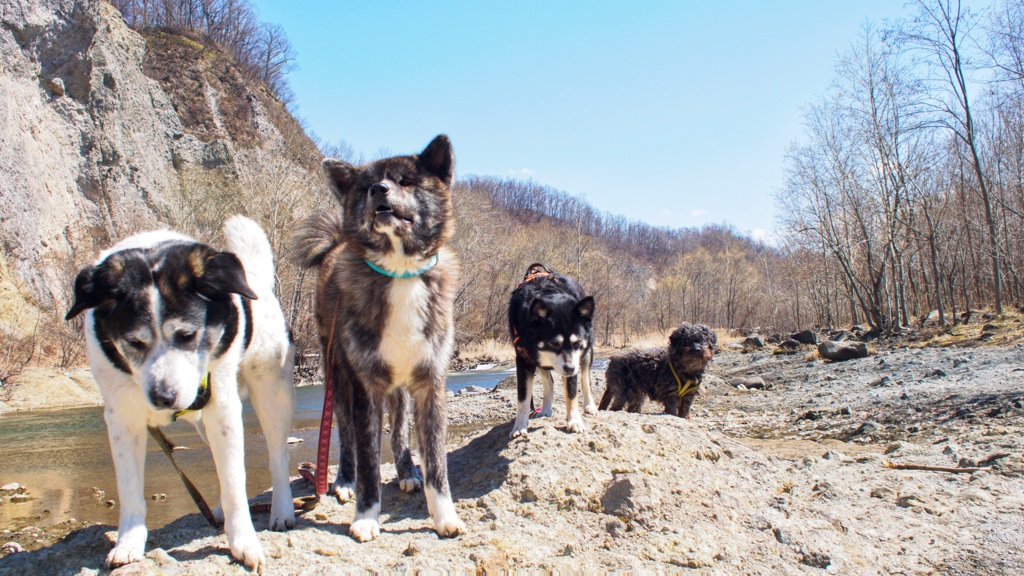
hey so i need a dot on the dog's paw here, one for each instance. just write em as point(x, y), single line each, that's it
point(450, 527)
point(411, 484)
point(574, 425)
point(517, 432)
point(544, 413)
point(280, 522)
point(364, 530)
point(246, 548)
point(343, 492)
point(124, 554)
point(218, 515)
point(590, 409)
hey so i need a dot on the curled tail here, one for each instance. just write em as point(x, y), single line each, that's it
point(247, 240)
point(316, 236)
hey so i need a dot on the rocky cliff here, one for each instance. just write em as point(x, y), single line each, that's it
point(103, 131)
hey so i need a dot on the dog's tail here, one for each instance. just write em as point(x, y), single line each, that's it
point(316, 236)
point(248, 241)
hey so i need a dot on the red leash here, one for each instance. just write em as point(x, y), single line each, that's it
point(323, 450)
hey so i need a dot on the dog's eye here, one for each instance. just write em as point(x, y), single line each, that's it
point(136, 344)
point(185, 336)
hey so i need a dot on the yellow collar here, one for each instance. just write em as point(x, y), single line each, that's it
point(202, 397)
point(683, 389)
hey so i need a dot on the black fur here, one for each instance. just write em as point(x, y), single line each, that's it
point(635, 376)
point(551, 322)
point(194, 281)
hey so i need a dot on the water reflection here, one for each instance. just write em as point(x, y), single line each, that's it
point(61, 455)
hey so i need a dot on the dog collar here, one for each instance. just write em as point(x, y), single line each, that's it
point(202, 397)
point(430, 264)
point(683, 389)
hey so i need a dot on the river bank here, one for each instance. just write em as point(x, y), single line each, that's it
point(787, 479)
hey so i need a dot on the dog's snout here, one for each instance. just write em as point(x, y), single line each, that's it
point(162, 396)
point(380, 189)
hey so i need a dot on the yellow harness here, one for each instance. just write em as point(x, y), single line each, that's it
point(683, 389)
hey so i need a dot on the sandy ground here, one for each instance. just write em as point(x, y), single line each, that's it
point(787, 480)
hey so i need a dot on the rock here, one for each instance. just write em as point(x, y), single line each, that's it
point(880, 382)
point(161, 557)
point(471, 390)
point(930, 319)
point(755, 383)
point(56, 85)
point(19, 498)
point(957, 362)
point(833, 455)
point(753, 342)
point(158, 497)
point(815, 559)
point(415, 548)
point(294, 440)
point(869, 428)
point(882, 493)
point(628, 496)
point(12, 487)
point(805, 337)
point(842, 351)
point(11, 548)
point(937, 373)
point(789, 345)
point(782, 536)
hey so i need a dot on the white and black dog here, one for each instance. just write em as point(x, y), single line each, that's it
point(385, 293)
point(551, 321)
point(175, 328)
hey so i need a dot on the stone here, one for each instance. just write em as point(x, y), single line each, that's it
point(753, 342)
point(11, 548)
point(805, 337)
point(842, 351)
point(56, 85)
point(13, 486)
point(756, 383)
point(19, 498)
point(868, 428)
point(294, 440)
point(782, 536)
point(815, 559)
point(161, 557)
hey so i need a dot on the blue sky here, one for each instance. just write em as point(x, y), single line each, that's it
point(676, 113)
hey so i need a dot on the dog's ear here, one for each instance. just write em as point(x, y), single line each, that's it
point(585, 308)
point(437, 158)
point(107, 281)
point(86, 293)
point(538, 310)
point(342, 177)
point(223, 274)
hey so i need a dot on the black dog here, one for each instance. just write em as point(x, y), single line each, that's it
point(550, 318)
point(671, 376)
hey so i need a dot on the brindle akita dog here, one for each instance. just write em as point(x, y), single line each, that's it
point(384, 311)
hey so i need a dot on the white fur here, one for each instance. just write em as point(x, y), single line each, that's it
point(265, 369)
point(442, 511)
point(365, 526)
point(403, 343)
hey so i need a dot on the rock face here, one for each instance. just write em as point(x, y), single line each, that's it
point(91, 148)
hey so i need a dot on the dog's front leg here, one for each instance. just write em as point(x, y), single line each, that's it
point(432, 430)
point(223, 417)
point(548, 380)
point(126, 428)
point(524, 387)
point(273, 398)
point(367, 421)
point(573, 419)
point(585, 380)
point(409, 479)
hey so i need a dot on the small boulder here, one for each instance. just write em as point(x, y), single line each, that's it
point(753, 342)
point(805, 337)
point(56, 85)
point(756, 383)
point(842, 351)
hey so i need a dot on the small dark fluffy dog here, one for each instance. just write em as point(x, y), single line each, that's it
point(384, 311)
point(670, 375)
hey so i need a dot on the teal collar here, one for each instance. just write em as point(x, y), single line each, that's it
point(430, 264)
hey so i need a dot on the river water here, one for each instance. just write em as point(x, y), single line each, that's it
point(63, 457)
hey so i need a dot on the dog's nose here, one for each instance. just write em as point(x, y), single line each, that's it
point(380, 188)
point(162, 397)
